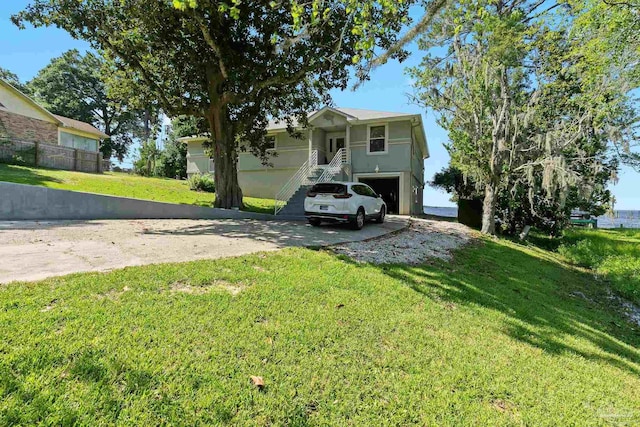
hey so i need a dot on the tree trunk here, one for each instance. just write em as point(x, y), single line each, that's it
point(489, 209)
point(225, 161)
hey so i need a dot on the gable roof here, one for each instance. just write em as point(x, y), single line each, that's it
point(28, 100)
point(351, 114)
point(81, 126)
point(62, 121)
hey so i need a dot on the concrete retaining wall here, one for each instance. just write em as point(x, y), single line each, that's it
point(28, 202)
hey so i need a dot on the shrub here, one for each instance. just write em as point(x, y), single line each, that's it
point(199, 182)
point(623, 271)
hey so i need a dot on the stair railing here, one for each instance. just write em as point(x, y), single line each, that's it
point(334, 167)
point(299, 178)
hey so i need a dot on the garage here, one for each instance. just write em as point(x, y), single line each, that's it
point(389, 188)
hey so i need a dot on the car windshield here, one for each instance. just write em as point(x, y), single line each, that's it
point(329, 188)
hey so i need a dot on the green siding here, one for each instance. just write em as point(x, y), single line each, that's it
point(396, 160)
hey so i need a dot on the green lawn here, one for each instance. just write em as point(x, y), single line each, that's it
point(495, 337)
point(614, 255)
point(121, 184)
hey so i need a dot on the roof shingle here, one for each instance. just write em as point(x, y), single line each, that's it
point(81, 126)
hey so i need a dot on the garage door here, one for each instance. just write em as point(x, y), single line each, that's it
point(388, 188)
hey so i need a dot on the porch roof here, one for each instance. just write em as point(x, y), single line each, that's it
point(350, 114)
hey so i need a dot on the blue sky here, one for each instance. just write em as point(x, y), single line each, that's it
point(24, 52)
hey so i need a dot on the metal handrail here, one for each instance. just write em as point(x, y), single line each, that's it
point(334, 167)
point(294, 183)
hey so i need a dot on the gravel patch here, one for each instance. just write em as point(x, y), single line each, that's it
point(421, 240)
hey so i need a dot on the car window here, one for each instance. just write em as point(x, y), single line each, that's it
point(359, 189)
point(329, 188)
point(370, 192)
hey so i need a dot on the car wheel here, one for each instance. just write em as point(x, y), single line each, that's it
point(383, 212)
point(358, 222)
point(314, 221)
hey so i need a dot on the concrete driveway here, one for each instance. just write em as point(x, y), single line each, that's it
point(33, 250)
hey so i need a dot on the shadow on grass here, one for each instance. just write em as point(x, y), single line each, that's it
point(547, 304)
point(24, 175)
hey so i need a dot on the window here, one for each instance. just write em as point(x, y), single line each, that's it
point(369, 191)
point(270, 143)
point(363, 190)
point(328, 188)
point(377, 140)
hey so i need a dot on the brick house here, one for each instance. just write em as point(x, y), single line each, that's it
point(22, 119)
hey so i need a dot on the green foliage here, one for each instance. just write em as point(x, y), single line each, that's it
point(172, 162)
point(14, 80)
point(122, 184)
point(202, 182)
point(147, 162)
point(453, 181)
point(75, 85)
point(514, 208)
point(494, 337)
point(612, 254)
point(524, 114)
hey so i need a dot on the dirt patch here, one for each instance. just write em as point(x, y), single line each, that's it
point(114, 294)
point(49, 306)
point(182, 287)
point(423, 239)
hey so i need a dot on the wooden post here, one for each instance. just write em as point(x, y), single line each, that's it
point(37, 156)
point(98, 163)
point(75, 159)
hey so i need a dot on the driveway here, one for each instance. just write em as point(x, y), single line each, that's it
point(33, 250)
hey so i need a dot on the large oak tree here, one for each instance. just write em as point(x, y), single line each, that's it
point(237, 63)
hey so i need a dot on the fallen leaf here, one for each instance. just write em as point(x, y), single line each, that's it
point(339, 305)
point(258, 382)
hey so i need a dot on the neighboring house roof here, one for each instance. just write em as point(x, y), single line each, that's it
point(62, 121)
point(29, 100)
point(81, 126)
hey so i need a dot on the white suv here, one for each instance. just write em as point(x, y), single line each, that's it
point(351, 202)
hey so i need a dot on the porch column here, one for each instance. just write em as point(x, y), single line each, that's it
point(347, 143)
point(310, 142)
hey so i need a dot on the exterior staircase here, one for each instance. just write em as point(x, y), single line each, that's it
point(290, 199)
point(295, 204)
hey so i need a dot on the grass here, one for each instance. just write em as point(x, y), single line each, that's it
point(121, 184)
point(494, 337)
point(613, 255)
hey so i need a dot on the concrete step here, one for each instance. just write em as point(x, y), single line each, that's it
point(295, 205)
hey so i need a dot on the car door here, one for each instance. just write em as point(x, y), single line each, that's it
point(361, 198)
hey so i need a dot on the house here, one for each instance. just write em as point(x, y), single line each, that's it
point(23, 119)
point(384, 150)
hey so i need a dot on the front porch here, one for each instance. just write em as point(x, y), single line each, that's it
point(329, 133)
